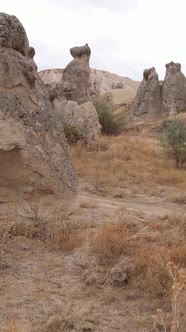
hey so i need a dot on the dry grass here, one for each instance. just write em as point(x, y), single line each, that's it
point(153, 253)
point(133, 163)
point(64, 236)
point(12, 327)
point(110, 241)
point(179, 198)
point(88, 203)
point(56, 234)
point(5, 241)
point(161, 241)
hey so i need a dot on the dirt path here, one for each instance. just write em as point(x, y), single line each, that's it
point(145, 205)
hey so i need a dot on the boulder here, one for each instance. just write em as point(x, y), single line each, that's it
point(76, 76)
point(148, 98)
point(174, 89)
point(35, 159)
point(83, 117)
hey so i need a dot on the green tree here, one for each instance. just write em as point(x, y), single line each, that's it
point(173, 140)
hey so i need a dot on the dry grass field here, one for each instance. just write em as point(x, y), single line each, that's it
point(129, 166)
point(116, 263)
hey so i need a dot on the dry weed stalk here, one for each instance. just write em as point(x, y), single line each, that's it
point(178, 298)
point(178, 314)
point(4, 243)
point(159, 321)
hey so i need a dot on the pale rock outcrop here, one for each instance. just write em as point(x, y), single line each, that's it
point(148, 98)
point(83, 117)
point(76, 76)
point(34, 155)
point(174, 89)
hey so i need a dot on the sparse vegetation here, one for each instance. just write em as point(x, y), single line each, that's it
point(173, 140)
point(72, 134)
point(111, 124)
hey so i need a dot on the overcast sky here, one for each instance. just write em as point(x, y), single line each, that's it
point(125, 36)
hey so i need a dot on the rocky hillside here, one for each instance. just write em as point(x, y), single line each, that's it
point(121, 88)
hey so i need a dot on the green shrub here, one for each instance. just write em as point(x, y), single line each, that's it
point(173, 140)
point(111, 124)
point(72, 134)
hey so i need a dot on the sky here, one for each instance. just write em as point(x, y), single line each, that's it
point(125, 36)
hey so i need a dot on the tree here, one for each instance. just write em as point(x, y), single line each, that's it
point(173, 140)
point(111, 124)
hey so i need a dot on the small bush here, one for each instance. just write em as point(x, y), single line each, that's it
point(173, 140)
point(72, 134)
point(111, 124)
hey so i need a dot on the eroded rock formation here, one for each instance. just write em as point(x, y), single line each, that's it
point(34, 154)
point(174, 89)
point(70, 96)
point(155, 98)
point(76, 76)
point(148, 98)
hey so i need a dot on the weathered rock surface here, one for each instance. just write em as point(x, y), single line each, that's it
point(174, 89)
point(83, 117)
point(12, 34)
point(34, 154)
point(76, 76)
point(148, 98)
